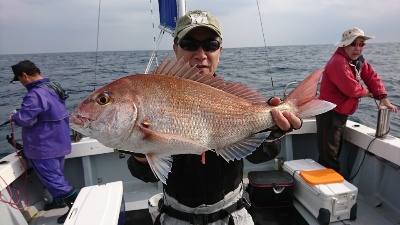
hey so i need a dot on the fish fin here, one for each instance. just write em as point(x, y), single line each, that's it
point(305, 97)
point(175, 67)
point(243, 148)
point(169, 138)
point(160, 165)
point(315, 107)
point(244, 92)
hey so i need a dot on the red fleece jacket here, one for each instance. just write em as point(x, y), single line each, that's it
point(341, 86)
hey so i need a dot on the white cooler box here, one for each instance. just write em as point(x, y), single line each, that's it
point(98, 204)
point(327, 202)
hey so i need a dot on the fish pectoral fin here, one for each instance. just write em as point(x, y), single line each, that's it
point(166, 138)
point(243, 148)
point(160, 165)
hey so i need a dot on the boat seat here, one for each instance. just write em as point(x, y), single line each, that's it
point(98, 204)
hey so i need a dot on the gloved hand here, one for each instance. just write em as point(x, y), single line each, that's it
point(10, 140)
point(13, 112)
point(275, 134)
point(21, 153)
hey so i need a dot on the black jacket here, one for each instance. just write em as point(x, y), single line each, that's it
point(193, 183)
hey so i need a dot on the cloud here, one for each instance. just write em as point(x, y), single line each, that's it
point(71, 26)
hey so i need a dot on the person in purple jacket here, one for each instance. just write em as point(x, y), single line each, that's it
point(45, 132)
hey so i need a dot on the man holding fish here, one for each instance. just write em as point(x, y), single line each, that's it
point(190, 129)
point(215, 185)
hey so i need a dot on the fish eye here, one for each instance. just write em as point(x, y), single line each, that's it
point(103, 98)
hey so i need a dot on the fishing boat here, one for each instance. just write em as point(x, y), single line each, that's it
point(108, 194)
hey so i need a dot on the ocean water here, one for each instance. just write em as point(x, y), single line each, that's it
point(258, 68)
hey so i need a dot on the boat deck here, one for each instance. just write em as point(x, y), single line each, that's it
point(373, 165)
point(369, 212)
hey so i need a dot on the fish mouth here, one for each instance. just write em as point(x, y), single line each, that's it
point(79, 120)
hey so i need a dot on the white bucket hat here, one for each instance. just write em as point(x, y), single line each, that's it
point(350, 35)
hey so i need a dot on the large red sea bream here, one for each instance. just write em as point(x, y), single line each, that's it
point(176, 110)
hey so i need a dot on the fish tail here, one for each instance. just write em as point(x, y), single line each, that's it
point(305, 97)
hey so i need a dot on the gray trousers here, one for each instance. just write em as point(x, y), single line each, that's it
point(330, 130)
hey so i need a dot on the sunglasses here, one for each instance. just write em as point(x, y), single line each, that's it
point(208, 45)
point(355, 44)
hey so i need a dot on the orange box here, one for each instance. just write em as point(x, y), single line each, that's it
point(322, 176)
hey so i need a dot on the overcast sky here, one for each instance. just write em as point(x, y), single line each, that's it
point(44, 26)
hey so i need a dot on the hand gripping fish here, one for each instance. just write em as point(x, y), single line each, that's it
point(176, 110)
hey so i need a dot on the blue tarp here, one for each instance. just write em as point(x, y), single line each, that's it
point(168, 14)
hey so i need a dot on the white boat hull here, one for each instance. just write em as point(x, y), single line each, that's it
point(376, 171)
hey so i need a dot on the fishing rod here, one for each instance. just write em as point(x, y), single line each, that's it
point(7, 122)
point(266, 50)
point(97, 47)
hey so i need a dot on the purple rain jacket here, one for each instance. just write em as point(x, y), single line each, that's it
point(45, 123)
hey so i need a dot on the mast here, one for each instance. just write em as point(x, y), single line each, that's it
point(169, 11)
point(181, 4)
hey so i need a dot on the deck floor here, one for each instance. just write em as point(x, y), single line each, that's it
point(48, 217)
point(297, 215)
point(282, 216)
point(141, 216)
point(367, 214)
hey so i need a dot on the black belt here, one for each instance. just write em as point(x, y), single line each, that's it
point(200, 219)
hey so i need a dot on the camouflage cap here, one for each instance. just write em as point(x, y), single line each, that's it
point(193, 19)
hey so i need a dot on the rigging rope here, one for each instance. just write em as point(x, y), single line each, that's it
point(156, 43)
point(11, 202)
point(266, 50)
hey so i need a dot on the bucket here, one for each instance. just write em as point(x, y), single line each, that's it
point(382, 127)
point(153, 206)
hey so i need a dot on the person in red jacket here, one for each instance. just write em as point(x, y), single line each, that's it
point(341, 85)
